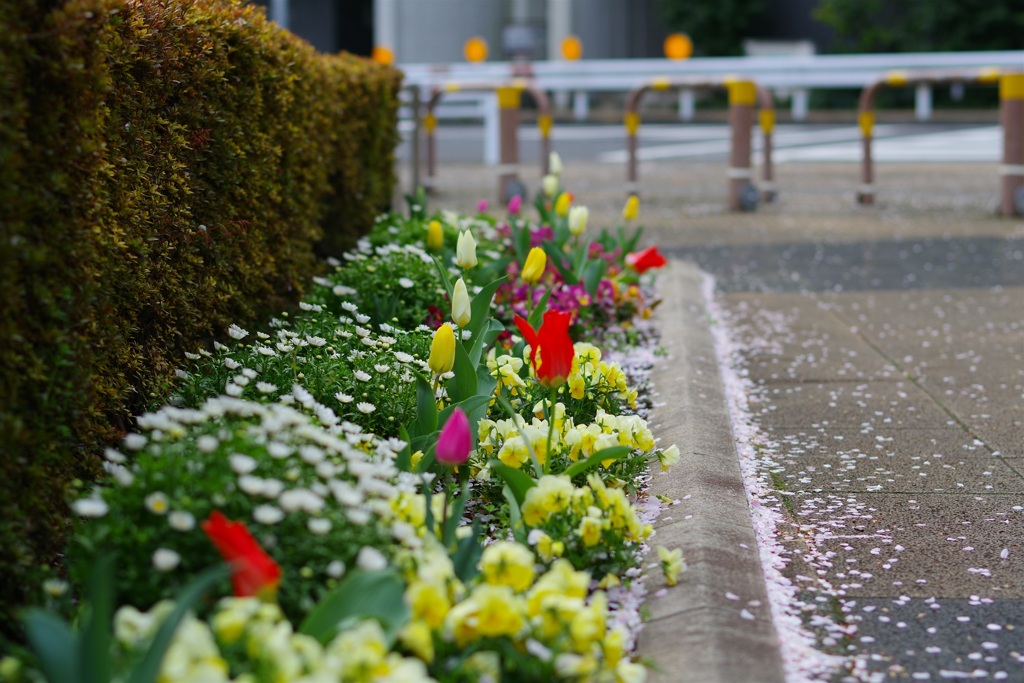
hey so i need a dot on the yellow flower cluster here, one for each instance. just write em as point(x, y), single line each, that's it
point(597, 507)
point(594, 378)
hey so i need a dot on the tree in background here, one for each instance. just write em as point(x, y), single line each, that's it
point(716, 27)
point(923, 25)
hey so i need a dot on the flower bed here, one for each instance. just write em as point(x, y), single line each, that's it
point(410, 478)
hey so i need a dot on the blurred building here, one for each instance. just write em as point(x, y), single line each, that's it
point(434, 31)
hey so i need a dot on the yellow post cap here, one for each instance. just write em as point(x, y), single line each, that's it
point(1011, 87)
point(475, 49)
point(382, 54)
point(678, 46)
point(989, 74)
point(661, 83)
point(430, 123)
point(509, 97)
point(572, 48)
point(741, 92)
point(896, 78)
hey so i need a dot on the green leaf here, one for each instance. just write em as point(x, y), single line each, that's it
point(377, 595)
point(443, 273)
point(403, 461)
point(519, 482)
point(481, 306)
point(538, 313)
point(613, 453)
point(94, 637)
point(464, 384)
point(515, 515)
point(556, 257)
point(592, 278)
point(426, 408)
point(522, 245)
point(149, 668)
point(55, 645)
point(467, 554)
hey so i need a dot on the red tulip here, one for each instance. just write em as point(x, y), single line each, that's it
point(642, 261)
point(455, 441)
point(553, 344)
point(253, 571)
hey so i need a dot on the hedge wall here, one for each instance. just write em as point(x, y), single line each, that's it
point(166, 168)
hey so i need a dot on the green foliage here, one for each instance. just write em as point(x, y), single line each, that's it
point(165, 170)
point(923, 25)
point(716, 27)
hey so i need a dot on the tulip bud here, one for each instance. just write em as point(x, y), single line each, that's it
point(481, 206)
point(550, 185)
point(563, 203)
point(435, 236)
point(578, 220)
point(515, 204)
point(455, 442)
point(465, 250)
point(632, 208)
point(461, 311)
point(554, 164)
point(536, 262)
point(442, 350)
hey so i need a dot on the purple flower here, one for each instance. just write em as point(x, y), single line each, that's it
point(455, 441)
point(515, 204)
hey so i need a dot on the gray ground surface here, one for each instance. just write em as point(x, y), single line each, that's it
point(884, 346)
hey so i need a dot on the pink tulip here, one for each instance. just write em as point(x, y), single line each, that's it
point(455, 441)
point(515, 204)
point(481, 206)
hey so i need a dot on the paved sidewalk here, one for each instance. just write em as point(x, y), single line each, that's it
point(883, 349)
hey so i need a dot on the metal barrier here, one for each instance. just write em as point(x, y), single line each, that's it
point(742, 96)
point(1011, 90)
point(509, 101)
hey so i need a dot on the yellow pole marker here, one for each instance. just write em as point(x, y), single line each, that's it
point(896, 78)
point(572, 48)
point(741, 92)
point(509, 97)
point(632, 121)
point(452, 86)
point(866, 121)
point(661, 83)
point(766, 117)
point(429, 123)
point(1011, 87)
point(382, 54)
point(678, 46)
point(544, 123)
point(475, 49)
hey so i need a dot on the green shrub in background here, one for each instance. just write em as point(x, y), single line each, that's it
point(166, 168)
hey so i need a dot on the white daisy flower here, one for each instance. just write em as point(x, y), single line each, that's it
point(262, 335)
point(240, 380)
point(362, 319)
point(370, 559)
point(233, 390)
point(217, 346)
point(192, 356)
point(318, 525)
point(241, 463)
point(343, 398)
point(114, 456)
point(406, 283)
point(266, 351)
point(267, 514)
point(266, 387)
point(250, 485)
point(349, 306)
point(236, 332)
point(272, 487)
point(248, 372)
point(369, 342)
point(181, 520)
point(157, 503)
point(55, 587)
point(180, 374)
point(278, 450)
point(134, 441)
point(381, 368)
point(335, 569)
point(165, 559)
point(316, 341)
point(403, 357)
point(121, 473)
point(231, 363)
point(387, 340)
point(365, 408)
point(90, 507)
point(342, 290)
point(207, 443)
point(362, 331)
point(362, 376)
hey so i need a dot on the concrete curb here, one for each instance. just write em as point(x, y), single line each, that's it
point(715, 625)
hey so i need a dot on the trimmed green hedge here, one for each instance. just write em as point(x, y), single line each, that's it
point(166, 168)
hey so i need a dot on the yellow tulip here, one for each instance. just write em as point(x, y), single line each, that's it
point(462, 313)
point(632, 208)
point(554, 164)
point(563, 203)
point(465, 250)
point(442, 350)
point(578, 220)
point(536, 262)
point(435, 236)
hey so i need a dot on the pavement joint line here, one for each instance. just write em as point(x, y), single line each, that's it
point(910, 377)
point(714, 643)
